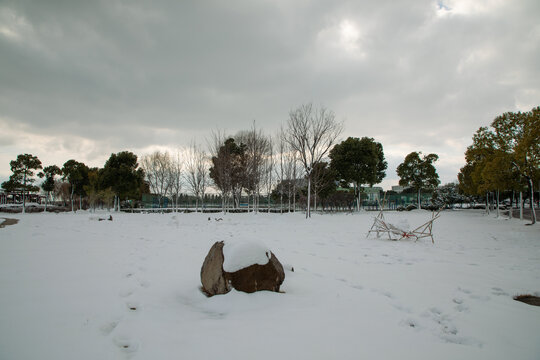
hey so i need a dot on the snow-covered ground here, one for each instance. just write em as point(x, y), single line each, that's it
point(72, 287)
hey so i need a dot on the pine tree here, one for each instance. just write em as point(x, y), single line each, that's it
point(21, 179)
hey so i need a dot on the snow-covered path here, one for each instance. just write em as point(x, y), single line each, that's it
point(73, 287)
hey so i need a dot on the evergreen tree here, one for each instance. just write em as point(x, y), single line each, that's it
point(228, 170)
point(121, 174)
point(418, 173)
point(21, 179)
point(48, 184)
point(76, 174)
point(360, 161)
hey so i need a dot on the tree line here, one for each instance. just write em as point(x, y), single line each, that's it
point(504, 158)
point(119, 178)
point(302, 162)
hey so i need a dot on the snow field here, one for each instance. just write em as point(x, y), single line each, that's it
point(73, 287)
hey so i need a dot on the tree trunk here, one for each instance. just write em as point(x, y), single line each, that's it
point(357, 193)
point(419, 200)
point(531, 190)
point(294, 193)
point(280, 199)
point(510, 215)
point(308, 207)
point(315, 201)
point(24, 196)
point(498, 211)
point(71, 197)
point(487, 203)
point(521, 206)
point(289, 202)
point(46, 198)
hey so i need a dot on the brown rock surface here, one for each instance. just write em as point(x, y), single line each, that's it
point(253, 278)
point(212, 274)
point(258, 277)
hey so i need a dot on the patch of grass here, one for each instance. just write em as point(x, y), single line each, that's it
point(528, 299)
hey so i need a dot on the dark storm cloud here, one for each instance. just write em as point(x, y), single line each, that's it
point(132, 74)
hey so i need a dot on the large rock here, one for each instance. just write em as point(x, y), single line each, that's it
point(212, 274)
point(255, 277)
point(258, 277)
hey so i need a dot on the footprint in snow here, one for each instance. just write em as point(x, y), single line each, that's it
point(133, 306)
point(480, 297)
point(109, 327)
point(126, 292)
point(473, 295)
point(460, 306)
point(126, 344)
point(447, 331)
point(465, 291)
point(411, 323)
point(402, 308)
point(498, 291)
point(144, 283)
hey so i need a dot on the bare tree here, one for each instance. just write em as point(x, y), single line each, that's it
point(156, 167)
point(220, 170)
point(292, 170)
point(279, 167)
point(268, 172)
point(196, 174)
point(175, 178)
point(257, 151)
point(61, 190)
point(311, 133)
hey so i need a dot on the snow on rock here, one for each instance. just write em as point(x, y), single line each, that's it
point(241, 254)
point(244, 266)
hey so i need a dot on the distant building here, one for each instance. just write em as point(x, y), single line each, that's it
point(398, 189)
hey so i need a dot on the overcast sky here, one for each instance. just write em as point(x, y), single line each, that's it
point(83, 79)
